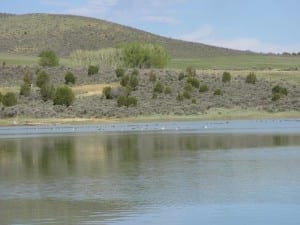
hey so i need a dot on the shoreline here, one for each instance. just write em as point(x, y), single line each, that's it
point(244, 123)
point(212, 115)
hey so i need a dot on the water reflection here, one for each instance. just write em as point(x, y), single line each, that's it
point(93, 179)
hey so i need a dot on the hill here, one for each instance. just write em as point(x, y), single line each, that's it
point(29, 34)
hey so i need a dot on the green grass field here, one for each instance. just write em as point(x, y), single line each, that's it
point(240, 62)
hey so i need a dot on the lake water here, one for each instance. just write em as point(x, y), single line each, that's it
point(180, 173)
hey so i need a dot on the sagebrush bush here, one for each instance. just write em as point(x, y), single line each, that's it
point(27, 78)
point(194, 101)
point(179, 97)
point(1, 96)
point(133, 81)
point(48, 58)
point(188, 87)
point(126, 101)
point(25, 89)
point(93, 70)
point(158, 87)
point(107, 92)
point(203, 88)
point(47, 92)
point(276, 97)
point(125, 81)
point(226, 77)
point(152, 76)
point(63, 96)
point(186, 94)
point(120, 72)
point(190, 71)
point(278, 92)
point(218, 92)
point(9, 99)
point(181, 76)
point(42, 78)
point(168, 90)
point(193, 81)
point(135, 72)
point(70, 78)
point(251, 78)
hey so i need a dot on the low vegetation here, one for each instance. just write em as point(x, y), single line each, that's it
point(48, 58)
point(251, 78)
point(70, 78)
point(9, 99)
point(63, 96)
point(93, 70)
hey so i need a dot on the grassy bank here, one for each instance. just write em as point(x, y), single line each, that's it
point(213, 114)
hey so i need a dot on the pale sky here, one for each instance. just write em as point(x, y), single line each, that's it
point(257, 25)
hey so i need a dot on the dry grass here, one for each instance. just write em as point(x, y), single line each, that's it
point(90, 90)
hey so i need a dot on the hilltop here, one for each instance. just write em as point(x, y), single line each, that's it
point(29, 34)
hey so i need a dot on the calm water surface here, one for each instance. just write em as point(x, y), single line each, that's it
point(158, 178)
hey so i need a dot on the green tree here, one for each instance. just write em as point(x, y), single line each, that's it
point(139, 55)
point(9, 99)
point(63, 96)
point(48, 58)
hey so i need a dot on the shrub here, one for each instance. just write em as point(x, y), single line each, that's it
point(131, 101)
point(251, 78)
point(107, 92)
point(42, 79)
point(179, 97)
point(120, 72)
point(3, 64)
point(25, 89)
point(152, 76)
point(120, 91)
point(226, 77)
point(133, 81)
point(193, 81)
point(188, 87)
point(135, 72)
point(276, 97)
point(194, 101)
point(47, 92)
point(48, 58)
point(139, 55)
point(70, 78)
point(158, 87)
point(27, 78)
point(125, 80)
point(186, 95)
point(203, 88)
point(9, 99)
point(279, 90)
point(181, 76)
point(218, 92)
point(126, 101)
point(168, 90)
point(93, 70)
point(154, 96)
point(1, 97)
point(190, 71)
point(63, 96)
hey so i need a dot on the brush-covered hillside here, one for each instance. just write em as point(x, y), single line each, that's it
point(29, 34)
